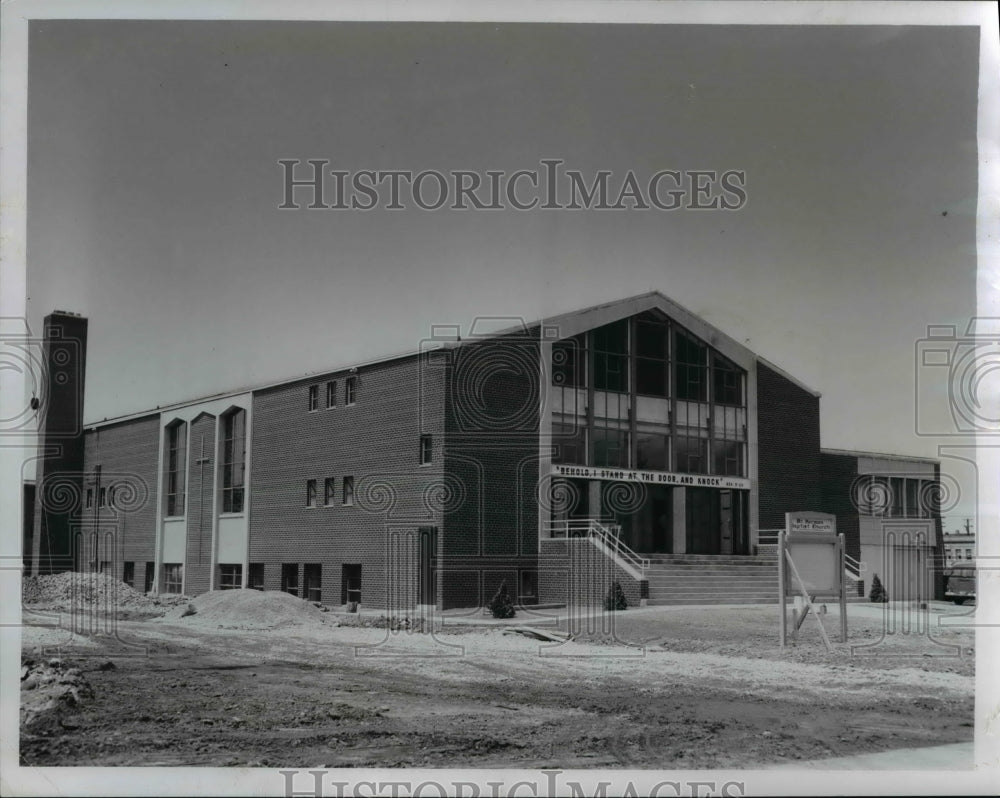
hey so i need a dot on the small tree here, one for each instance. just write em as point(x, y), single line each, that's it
point(501, 605)
point(878, 594)
point(615, 600)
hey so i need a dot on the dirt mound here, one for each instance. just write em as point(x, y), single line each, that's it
point(49, 692)
point(246, 609)
point(70, 590)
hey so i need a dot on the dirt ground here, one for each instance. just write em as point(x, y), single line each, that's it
point(663, 688)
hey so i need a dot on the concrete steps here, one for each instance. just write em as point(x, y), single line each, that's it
point(708, 579)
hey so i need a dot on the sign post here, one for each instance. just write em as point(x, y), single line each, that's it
point(810, 565)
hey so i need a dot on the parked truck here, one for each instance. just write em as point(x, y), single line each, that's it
point(960, 583)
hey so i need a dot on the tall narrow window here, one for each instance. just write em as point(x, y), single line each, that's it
point(176, 467)
point(90, 497)
point(311, 493)
point(426, 449)
point(329, 491)
point(233, 460)
point(313, 397)
point(331, 394)
point(350, 390)
point(102, 497)
point(348, 490)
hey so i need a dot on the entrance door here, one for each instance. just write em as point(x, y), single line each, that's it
point(702, 521)
point(428, 560)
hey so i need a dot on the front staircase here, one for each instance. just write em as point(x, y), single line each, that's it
point(712, 579)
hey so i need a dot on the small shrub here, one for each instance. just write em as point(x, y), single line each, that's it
point(615, 600)
point(352, 606)
point(502, 605)
point(878, 594)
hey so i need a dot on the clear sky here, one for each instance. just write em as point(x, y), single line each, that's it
point(153, 187)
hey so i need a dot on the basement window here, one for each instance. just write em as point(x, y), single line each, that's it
point(255, 577)
point(173, 577)
point(290, 578)
point(312, 578)
point(230, 577)
point(128, 573)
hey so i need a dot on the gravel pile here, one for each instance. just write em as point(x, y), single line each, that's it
point(246, 609)
point(49, 691)
point(70, 590)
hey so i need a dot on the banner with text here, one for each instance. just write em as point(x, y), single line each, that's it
point(651, 477)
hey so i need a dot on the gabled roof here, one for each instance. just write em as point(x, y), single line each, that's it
point(566, 325)
point(574, 322)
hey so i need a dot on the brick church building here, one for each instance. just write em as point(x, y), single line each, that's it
point(630, 440)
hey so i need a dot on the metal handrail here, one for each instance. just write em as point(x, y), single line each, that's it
point(853, 567)
point(606, 533)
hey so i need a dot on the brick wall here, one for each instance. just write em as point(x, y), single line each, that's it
point(838, 475)
point(788, 453)
point(201, 504)
point(377, 442)
point(127, 454)
point(491, 457)
point(575, 572)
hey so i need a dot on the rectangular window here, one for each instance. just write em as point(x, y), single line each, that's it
point(331, 394)
point(350, 390)
point(569, 442)
point(690, 456)
point(610, 448)
point(311, 493)
point(90, 497)
point(896, 496)
point(173, 577)
point(313, 397)
point(727, 382)
point(233, 460)
point(348, 490)
point(102, 497)
point(911, 489)
point(147, 586)
point(230, 577)
point(128, 573)
point(176, 467)
point(105, 567)
point(426, 449)
point(255, 577)
point(290, 578)
point(312, 577)
point(651, 451)
point(652, 357)
point(691, 369)
point(329, 491)
point(350, 583)
point(611, 357)
point(727, 458)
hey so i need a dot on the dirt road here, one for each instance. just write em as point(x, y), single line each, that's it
point(710, 689)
